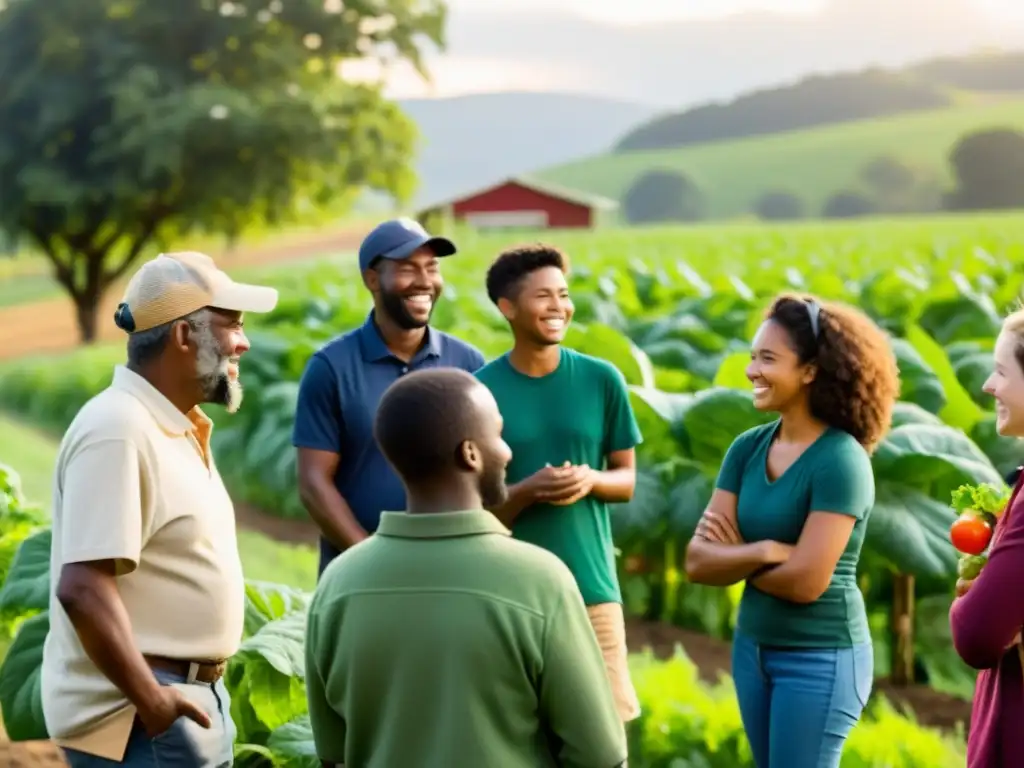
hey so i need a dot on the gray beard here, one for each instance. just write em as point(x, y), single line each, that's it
point(212, 365)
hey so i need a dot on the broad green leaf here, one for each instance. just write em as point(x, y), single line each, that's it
point(972, 370)
point(715, 418)
point(726, 313)
point(959, 410)
point(20, 689)
point(279, 643)
point(689, 328)
point(909, 530)
point(918, 382)
point(690, 488)
point(27, 587)
point(643, 516)
point(933, 647)
point(934, 459)
point(733, 372)
point(672, 380)
point(1005, 453)
point(683, 356)
point(659, 415)
point(265, 602)
point(275, 698)
point(608, 344)
point(248, 724)
point(892, 295)
point(293, 743)
point(969, 315)
point(912, 413)
point(252, 755)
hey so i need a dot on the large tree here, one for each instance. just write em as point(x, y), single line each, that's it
point(125, 122)
point(989, 169)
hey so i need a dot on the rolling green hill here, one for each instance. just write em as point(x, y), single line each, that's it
point(813, 163)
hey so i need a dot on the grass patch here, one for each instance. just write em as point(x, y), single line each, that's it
point(814, 163)
point(32, 453)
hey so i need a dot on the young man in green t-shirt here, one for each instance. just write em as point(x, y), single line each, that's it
point(573, 436)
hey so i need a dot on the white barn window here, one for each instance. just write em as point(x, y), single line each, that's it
point(507, 219)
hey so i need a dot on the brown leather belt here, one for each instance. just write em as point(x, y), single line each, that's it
point(197, 671)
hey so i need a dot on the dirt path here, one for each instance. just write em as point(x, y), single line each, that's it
point(48, 326)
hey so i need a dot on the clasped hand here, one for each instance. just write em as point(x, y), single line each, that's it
point(562, 485)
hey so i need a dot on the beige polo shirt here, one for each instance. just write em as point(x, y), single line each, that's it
point(135, 482)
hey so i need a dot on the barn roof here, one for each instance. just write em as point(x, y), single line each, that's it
point(538, 185)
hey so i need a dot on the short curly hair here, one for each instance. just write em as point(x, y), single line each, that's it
point(431, 401)
point(508, 270)
point(857, 380)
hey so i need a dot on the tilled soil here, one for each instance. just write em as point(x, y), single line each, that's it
point(49, 327)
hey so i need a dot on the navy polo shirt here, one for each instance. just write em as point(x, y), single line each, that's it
point(338, 396)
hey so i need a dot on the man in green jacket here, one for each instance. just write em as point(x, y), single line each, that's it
point(441, 641)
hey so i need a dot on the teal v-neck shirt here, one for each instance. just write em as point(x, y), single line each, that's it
point(579, 413)
point(834, 475)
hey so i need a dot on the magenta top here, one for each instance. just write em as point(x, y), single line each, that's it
point(984, 622)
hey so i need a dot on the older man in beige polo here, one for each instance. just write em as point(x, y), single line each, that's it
point(148, 595)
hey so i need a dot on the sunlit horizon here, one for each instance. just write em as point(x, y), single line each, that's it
point(460, 72)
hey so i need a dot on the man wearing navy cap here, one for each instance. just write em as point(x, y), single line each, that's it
point(344, 480)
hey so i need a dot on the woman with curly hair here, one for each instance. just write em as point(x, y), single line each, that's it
point(788, 516)
point(987, 616)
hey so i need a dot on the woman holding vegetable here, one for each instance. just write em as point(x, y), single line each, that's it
point(788, 516)
point(987, 616)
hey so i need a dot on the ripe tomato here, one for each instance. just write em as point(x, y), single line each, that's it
point(970, 534)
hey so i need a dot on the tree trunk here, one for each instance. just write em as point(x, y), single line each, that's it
point(902, 629)
point(87, 306)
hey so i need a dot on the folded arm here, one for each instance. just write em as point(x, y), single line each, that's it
point(842, 492)
point(805, 576)
point(722, 559)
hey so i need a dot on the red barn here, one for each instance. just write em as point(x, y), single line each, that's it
point(522, 203)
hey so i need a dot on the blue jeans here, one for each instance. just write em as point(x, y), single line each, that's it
point(185, 744)
point(798, 706)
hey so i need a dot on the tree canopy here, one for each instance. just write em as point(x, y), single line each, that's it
point(125, 121)
point(989, 170)
point(663, 195)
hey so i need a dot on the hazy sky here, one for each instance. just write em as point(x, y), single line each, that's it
point(642, 11)
point(622, 48)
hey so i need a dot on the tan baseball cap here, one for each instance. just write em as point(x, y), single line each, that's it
point(176, 284)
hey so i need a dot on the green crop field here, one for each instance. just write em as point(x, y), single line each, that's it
point(674, 309)
point(814, 163)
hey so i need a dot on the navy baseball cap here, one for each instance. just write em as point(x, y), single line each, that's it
point(399, 239)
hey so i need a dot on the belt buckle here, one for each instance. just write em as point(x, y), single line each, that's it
point(193, 673)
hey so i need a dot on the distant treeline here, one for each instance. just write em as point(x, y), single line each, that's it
point(987, 166)
point(823, 99)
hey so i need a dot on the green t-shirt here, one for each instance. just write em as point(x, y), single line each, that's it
point(832, 475)
point(578, 413)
